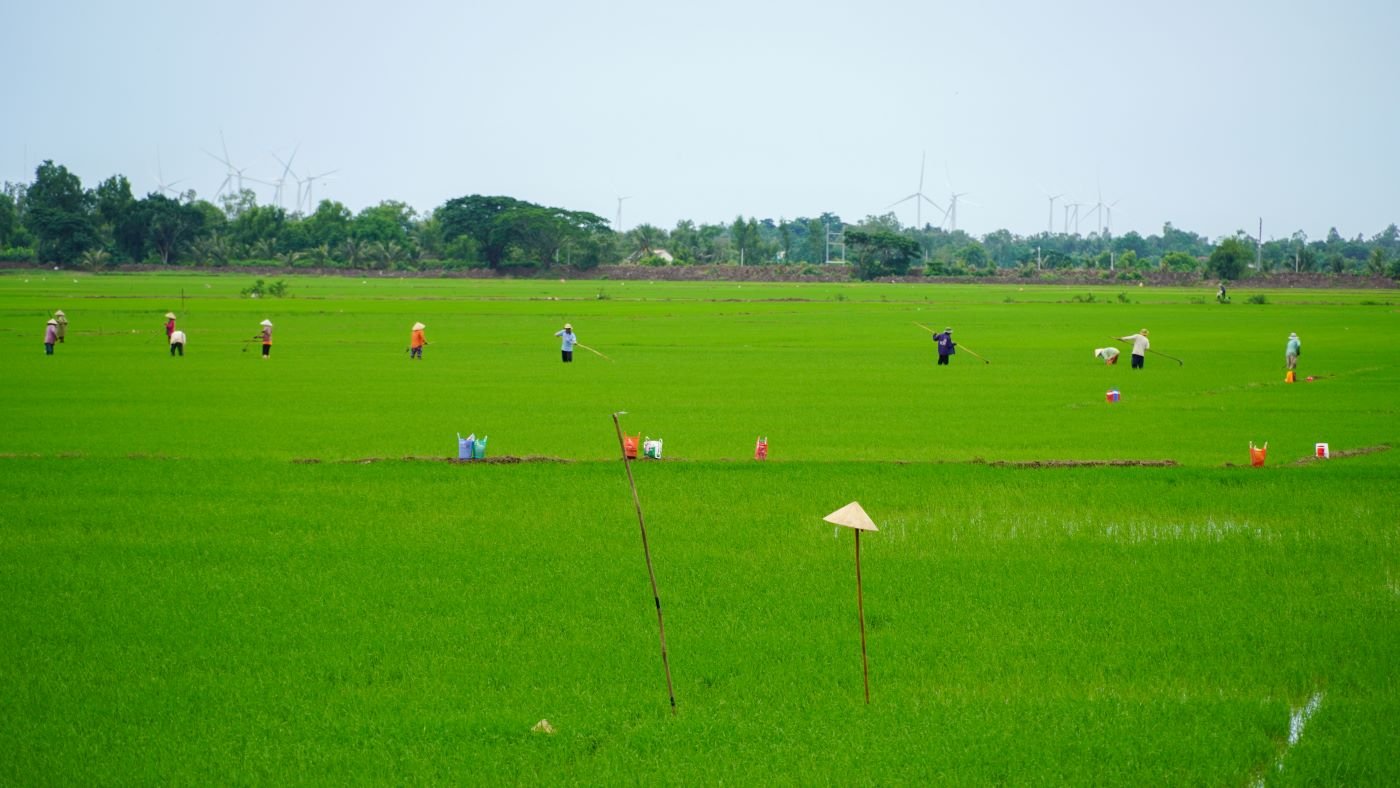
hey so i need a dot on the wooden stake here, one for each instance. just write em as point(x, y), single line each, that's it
point(860, 609)
point(655, 594)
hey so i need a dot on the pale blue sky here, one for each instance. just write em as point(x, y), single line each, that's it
point(1206, 114)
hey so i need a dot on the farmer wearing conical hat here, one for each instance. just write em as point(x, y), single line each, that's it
point(266, 336)
point(62, 321)
point(169, 325)
point(416, 343)
point(568, 340)
point(50, 336)
point(1292, 350)
point(1140, 346)
point(1108, 354)
point(946, 346)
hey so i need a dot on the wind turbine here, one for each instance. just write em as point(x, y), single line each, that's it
point(161, 184)
point(1108, 217)
point(951, 217)
point(1050, 227)
point(1072, 209)
point(234, 174)
point(919, 198)
point(310, 182)
point(618, 225)
point(286, 168)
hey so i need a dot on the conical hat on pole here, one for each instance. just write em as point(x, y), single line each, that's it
point(852, 516)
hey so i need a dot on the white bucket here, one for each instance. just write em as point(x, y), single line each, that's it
point(1323, 452)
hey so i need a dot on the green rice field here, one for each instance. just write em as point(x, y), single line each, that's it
point(222, 569)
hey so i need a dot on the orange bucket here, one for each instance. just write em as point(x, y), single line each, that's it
point(629, 445)
point(1256, 454)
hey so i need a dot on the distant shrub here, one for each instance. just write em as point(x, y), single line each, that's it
point(1088, 298)
point(1258, 298)
point(260, 288)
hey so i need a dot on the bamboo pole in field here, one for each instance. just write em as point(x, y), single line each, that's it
point(1178, 361)
point(854, 517)
point(591, 350)
point(969, 352)
point(651, 572)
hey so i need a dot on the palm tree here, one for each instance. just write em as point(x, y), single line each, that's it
point(262, 249)
point(384, 253)
point(351, 251)
point(94, 259)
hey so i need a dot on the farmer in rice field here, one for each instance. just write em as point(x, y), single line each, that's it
point(1108, 354)
point(946, 346)
point(62, 321)
point(266, 336)
point(567, 342)
point(50, 336)
point(177, 343)
point(169, 325)
point(416, 342)
point(1140, 346)
point(1292, 350)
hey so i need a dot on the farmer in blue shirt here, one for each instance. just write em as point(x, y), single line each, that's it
point(569, 339)
point(946, 346)
point(1291, 351)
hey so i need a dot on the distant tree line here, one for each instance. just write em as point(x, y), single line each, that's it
point(55, 219)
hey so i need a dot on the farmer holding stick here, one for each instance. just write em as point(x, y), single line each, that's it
point(62, 321)
point(266, 336)
point(567, 341)
point(416, 343)
point(1140, 347)
point(946, 346)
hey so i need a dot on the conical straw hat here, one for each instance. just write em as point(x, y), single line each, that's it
point(265, 323)
point(851, 516)
point(418, 326)
point(59, 313)
point(170, 315)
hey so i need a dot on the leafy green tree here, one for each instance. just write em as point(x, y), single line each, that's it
point(258, 224)
point(169, 224)
point(116, 213)
point(329, 225)
point(475, 216)
point(1230, 258)
point(59, 213)
point(388, 221)
point(9, 220)
point(973, 256)
point(1180, 262)
point(684, 242)
point(880, 252)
